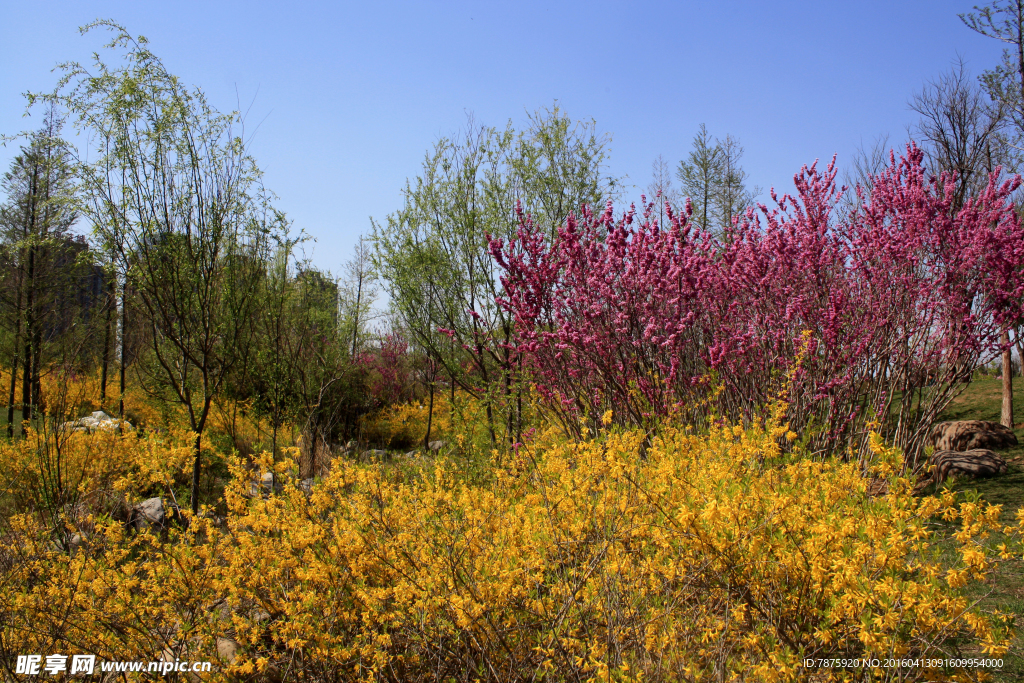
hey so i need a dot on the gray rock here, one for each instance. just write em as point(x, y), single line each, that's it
point(973, 463)
point(152, 511)
point(411, 454)
point(307, 485)
point(147, 513)
point(437, 445)
point(375, 453)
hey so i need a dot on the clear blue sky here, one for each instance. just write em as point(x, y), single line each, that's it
point(351, 95)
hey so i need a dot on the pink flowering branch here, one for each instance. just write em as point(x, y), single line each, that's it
point(629, 315)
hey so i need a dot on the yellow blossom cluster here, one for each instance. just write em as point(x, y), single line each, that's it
point(81, 466)
point(403, 425)
point(628, 556)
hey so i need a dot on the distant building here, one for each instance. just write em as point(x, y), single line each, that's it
point(76, 288)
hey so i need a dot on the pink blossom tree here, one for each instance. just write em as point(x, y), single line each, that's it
point(881, 315)
point(389, 369)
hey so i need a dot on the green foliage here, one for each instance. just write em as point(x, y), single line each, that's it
point(174, 194)
point(713, 179)
point(433, 253)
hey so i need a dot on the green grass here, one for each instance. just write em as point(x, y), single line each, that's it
point(982, 400)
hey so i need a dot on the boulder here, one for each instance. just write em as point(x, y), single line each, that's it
point(437, 445)
point(978, 462)
point(147, 513)
point(375, 454)
point(966, 435)
point(307, 485)
point(153, 510)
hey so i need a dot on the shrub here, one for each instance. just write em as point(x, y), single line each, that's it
point(717, 556)
point(403, 425)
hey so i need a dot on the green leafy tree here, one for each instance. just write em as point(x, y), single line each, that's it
point(41, 255)
point(175, 195)
point(700, 174)
point(265, 376)
point(732, 197)
point(712, 177)
point(300, 371)
point(433, 252)
point(358, 294)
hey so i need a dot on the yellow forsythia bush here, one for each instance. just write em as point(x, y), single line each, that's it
point(403, 425)
point(692, 557)
point(79, 392)
point(86, 465)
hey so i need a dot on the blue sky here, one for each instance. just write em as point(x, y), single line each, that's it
point(352, 95)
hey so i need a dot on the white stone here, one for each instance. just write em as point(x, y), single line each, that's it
point(227, 649)
point(152, 510)
point(96, 421)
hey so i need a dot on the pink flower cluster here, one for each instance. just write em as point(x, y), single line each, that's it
point(388, 366)
point(880, 314)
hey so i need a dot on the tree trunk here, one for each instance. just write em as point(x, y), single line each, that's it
point(1020, 348)
point(10, 398)
point(490, 422)
point(105, 365)
point(26, 376)
point(124, 335)
point(14, 369)
point(30, 324)
point(1006, 418)
point(519, 404)
point(273, 439)
point(506, 381)
point(195, 472)
point(37, 363)
point(430, 418)
point(355, 322)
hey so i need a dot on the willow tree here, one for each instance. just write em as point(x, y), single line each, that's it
point(175, 195)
